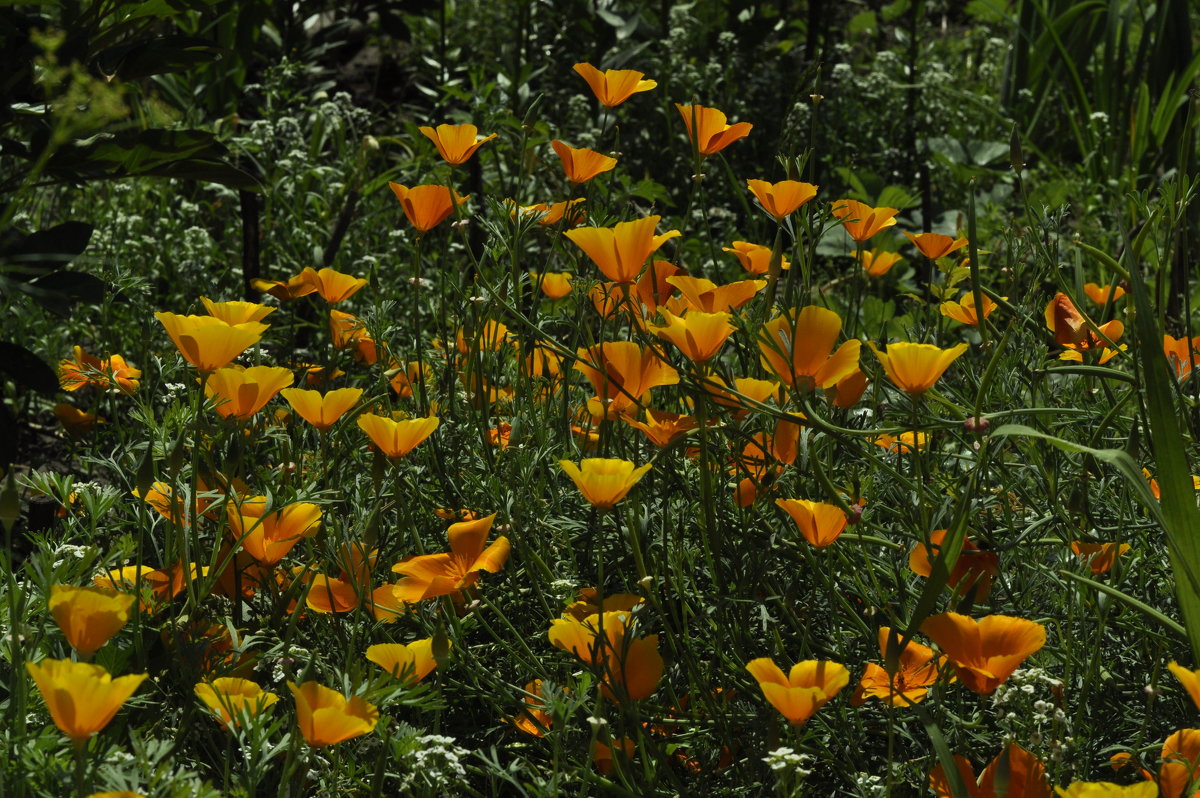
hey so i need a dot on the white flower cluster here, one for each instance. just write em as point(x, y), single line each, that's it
point(870, 785)
point(786, 759)
point(436, 760)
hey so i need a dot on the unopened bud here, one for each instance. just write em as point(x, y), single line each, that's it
point(976, 425)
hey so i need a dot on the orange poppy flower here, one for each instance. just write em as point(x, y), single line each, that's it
point(285, 291)
point(712, 132)
point(806, 688)
point(987, 651)
point(110, 374)
point(623, 369)
point(914, 368)
point(755, 258)
point(236, 311)
point(268, 537)
point(568, 211)
point(877, 263)
point(862, 222)
point(783, 198)
point(744, 391)
point(1180, 762)
point(820, 523)
point(410, 662)
point(325, 717)
point(663, 428)
point(605, 756)
point(75, 421)
point(88, 616)
point(431, 575)
point(698, 335)
point(797, 347)
point(456, 143)
point(1104, 789)
point(1190, 680)
point(1100, 294)
point(848, 390)
point(903, 443)
point(604, 481)
point(157, 586)
point(207, 342)
point(397, 438)
point(1100, 557)
point(534, 719)
point(973, 570)
point(556, 285)
point(963, 311)
point(332, 285)
point(620, 251)
point(581, 164)
point(81, 698)
point(654, 287)
point(614, 86)
point(1182, 354)
point(916, 671)
point(707, 296)
point(1071, 328)
point(936, 245)
point(322, 411)
point(631, 666)
point(231, 700)
point(1026, 776)
point(240, 392)
point(426, 206)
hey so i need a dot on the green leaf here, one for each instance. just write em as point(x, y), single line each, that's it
point(38, 253)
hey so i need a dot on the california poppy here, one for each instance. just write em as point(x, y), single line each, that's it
point(236, 311)
point(936, 245)
point(1180, 762)
point(783, 198)
point(1024, 774)
point(535, 718)
point(631, 666)
point(569, 212)
point(426, 206)
point(207, 342)
point(916, 672)
point(963, 311)
point(432, 575)
point(396, 438)
point(798, 347)
point(663, 428)
point(332, 285)
point(111, 373)
point(75, 421)
point(623, 371)
point(755, 258)
point(614, 86)
point(1182, 354)
point(285, 290)
point(914, 368)
point(456, 143)
point(820, 524)
point(240, 392)
point(322, 411)
point(804, 690)
point(81, 698)
point(904, 442)
point(325, 717)
point(877, 263)
point(268, 537)
point(697, 334)
point(620, 251)
point(581, 164)
point(1100, 557)
point(604, 481)
point(712, 132)
point(1104, 789)
point(1100, 294)
point(556, 285)
point(1072, 329)
point(88, 616)
point(861, 221)
point(1190, 680)
point(410, 661)
point(973, 569)
point(231, 699)
point(987, 651)
point(705, 295)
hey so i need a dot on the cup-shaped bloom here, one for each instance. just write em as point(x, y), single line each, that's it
point(1099, 294)
point(700, 294)
point(432, 575)
point(325, 716)
point(617, 368)
point(709, 129)
point(973, 570)
point(963, 311)
point(663, 428)
point(285, 290)
point(1072, 329)
point(755, 258)
point(207, 342)
point(89, 616)
point(820, 523)
point(698, 335)
point(239, 392)
point(411, 662)
point(456, 143)
point(914, 368)
point(1025, 776)
point(322, 411)
point(236, 311)
point(581, 164)
point(108, 374)
point(231, 700)
point(1180, 763)
point(936, 245)
point(268, 537)
point(631, 666)
point(916, 672)
point(332, 285)
point(620, 251)
point(987, 651)
point(604, 481)
point(861, 221)
point(805, 689)
point(1182, 354)
point(877, 263)
point(1106, 789)
point(614, 86)
point(397, 438)
point(1100, 557)
point(82, 698)
point(783, 198)
point(556, 285)
point(426, 206)
point(797, 347)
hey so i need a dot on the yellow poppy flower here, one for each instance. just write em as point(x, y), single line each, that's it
point(231, 700)
point(411, 662)
point(798, 347)
point(936, 245)
point(332, 285)
point(81, 698)
point(987, 651)
point(620, 251)
point(325, 717)
point(322, 411)
point(432, 575)
point(914, 368)
point(236, 312)
point(861, 221)
point(698, 335)
point(804, 690)
point(581, 164)
point(783, 198)
point(456, 143)
point(755, 258)
point(396, 438)
point(614, 86)
point(712, 131)
point(604, 481)
point(963, 311)
point(88, 616)
point(820, 524)
point(207, 342)
point(877, 263)
point(239, 392)
point(426, 206)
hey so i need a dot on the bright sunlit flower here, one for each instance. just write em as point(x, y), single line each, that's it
point(268, 537)
point(755, 258)
point(1023, 772)
point(604, 481)
point(1180, 763)
point(862, 222)
point(285, 290)
point(432, 575)
point(411, 662)
point(614, 86)
point(798, 347)
point(322, 411)
point(708, 129)
point(426, 206)
point(987, 651)
point(236, 311)
point(332, 285)
point(705, 295)
point(963, 311)
point(231, 700)
point(88, 616)
point(239, 393)
point(631, 666)
point(207, 342)
point(620, 251)
point(1072, 329)
point(877, 263)
point(1182, 354)
point(556, 285)
point(663, 428)
point(456, 143)
point(1099, 294)
point(936, 245)
point(325, 716)
point(1100, 557)
point(974, 569)
point(1190, 679)
point(397, 438)
point(81, 698)
point(804, 690)
point(904, 443)
point(581, 164)
point(819, 523)
point(916, 672)
point(914, 368)
point(783, 198)
point(698, 335)
point(622, 371)
point(110, 374)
